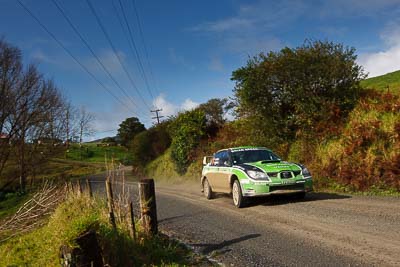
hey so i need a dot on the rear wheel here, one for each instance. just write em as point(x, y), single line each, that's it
point(237, 196)
point(207, 189)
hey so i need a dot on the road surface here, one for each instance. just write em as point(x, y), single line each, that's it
point(322, 230)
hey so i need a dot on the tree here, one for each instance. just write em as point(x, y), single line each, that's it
point(294, 90)
point(10, 76)
point(215, 110)
point(84, 124)
point(186, 131)
point(149, 144)
point(128, 129)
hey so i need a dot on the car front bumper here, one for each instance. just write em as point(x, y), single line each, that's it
point(254, 190)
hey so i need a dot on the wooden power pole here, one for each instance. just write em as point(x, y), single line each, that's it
point(158, 117)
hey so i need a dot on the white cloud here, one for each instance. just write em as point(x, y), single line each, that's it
point(170, 109)
point(189, 104)
point(386, 60)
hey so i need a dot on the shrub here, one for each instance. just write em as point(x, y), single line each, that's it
point(186, 130)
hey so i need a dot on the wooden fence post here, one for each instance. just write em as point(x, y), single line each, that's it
point(132, 221)
point(79, 187)
point(89, 188)
point(148, 206)
point(71, 186)
point(110, 202)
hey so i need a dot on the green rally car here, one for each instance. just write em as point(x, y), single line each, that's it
point(250, 172)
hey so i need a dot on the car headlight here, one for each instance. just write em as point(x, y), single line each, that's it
point(257, 175)
point(305, 172)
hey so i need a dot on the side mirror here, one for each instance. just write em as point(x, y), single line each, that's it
point(207, 160)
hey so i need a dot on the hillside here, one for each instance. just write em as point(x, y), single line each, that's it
point(391, 79)
point(362, 155)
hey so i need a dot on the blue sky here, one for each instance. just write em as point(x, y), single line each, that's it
point(193, 46)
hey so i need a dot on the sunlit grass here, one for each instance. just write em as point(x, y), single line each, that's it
point(78, 215)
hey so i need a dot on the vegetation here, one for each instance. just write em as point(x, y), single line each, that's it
point(34, 119)
point(309, 104)
point(186, 130)
point(128, 129)
point(388, 82)
point(98, 153)
point(76, 216)
point(295, 91)
point(147, 145)
point(10, 203)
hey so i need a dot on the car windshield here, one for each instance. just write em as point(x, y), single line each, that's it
point(244, 156)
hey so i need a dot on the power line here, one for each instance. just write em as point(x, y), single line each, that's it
point(144, 45)
point(115, 50)
point(70, 53)
point(91, 51)
point(135, 48)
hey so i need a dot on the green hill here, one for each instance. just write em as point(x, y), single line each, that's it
point(382, 82)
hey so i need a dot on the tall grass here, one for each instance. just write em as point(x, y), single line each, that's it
point(77, 215)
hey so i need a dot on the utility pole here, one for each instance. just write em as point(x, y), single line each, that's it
point(158, 117)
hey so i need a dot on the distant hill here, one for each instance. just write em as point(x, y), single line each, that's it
point(391, 79)
point(100, 140)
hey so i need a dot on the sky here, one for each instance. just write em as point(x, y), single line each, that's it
point(184, 52)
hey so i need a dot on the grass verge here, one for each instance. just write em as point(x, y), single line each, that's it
point(77, 215)
point(11, 202)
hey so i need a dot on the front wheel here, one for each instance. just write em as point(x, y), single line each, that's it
point(207, 189)
point(237, 196)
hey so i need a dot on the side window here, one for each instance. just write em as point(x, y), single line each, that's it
point(217, 159)
point(224, 160)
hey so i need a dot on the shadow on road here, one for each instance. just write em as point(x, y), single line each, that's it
point(273, 200)
point(286, 199)
point(209, 248)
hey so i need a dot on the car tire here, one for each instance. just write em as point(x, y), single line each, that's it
point(207, 191)
point(238, 199)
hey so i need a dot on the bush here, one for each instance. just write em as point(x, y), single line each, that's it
point(186, 130)
point(149, 144)
point(295, 89)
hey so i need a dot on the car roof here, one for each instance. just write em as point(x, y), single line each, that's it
point(244, 148)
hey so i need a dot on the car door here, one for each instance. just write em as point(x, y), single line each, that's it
point(221, 178)
point(212, 171)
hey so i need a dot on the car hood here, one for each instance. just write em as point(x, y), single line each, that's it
point(275, 166)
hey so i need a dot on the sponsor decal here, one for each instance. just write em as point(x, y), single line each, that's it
point(238, 167)
point(246, 149)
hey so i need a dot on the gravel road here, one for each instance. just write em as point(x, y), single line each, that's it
point(322, 230)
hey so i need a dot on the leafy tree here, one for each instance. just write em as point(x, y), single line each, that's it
point(186, 130)
point(215, 110)
point(128, 129)
point(148, 145)
point(295, 89)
